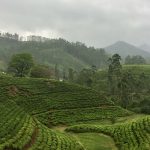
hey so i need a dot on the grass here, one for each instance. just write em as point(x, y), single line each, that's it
point(94, 141)
point(132, 135)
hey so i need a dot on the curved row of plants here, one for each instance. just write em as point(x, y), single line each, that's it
point(128, 136)
point(17, 132)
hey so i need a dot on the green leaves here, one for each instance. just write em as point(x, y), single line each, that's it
point(21, 64)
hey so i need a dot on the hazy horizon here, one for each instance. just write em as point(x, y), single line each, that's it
point(97, 23)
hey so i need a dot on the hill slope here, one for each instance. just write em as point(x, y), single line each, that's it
point(20, 131)
point(55, 51)
point(23, 100)
point(124, 49)
point(53, 102)
point(145, 47)
point(128, 136)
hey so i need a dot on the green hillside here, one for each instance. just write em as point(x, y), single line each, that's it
point(20, 131)
point(134, 135)
point(32, 109)
point(54, 102)
point(55, 51)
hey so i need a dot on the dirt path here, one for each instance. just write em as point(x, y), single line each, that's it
point(32, 141)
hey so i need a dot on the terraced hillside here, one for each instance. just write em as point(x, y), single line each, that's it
point(29, 106)
point(19, 131)
point(53, 102)
point(134, 135)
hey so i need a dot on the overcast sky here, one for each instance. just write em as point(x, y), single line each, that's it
point(94, 22)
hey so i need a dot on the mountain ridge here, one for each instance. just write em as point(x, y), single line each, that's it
point(124, 49)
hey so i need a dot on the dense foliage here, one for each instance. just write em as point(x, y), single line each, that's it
point(55, 51)
point(81, 115)
point(134, 60)
point(21, 64)
point(41, 71)
point(20, 131)
point(128, 136)
point(50, 99)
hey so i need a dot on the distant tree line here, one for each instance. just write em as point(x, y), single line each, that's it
point(134, 60)
point(56, 51)
point(8, 35)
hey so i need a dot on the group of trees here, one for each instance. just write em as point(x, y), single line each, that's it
point(56, 51)
point(122, 84)
point(22, 65)
point(134, 60)
point(10, 36)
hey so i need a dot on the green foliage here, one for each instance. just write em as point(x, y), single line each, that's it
point(81, 115)
point(55, 51)
point(28, 104)
point(41, 71)
point(86, 76)
point(94, 141)
point(127, 136)
point(21, 64)
point(57, 73)
point(54, 102)
point(114, 73)
point(20, 131)
point(131, 87)
point(70, 74)
point(134, 60)
point(16, 127)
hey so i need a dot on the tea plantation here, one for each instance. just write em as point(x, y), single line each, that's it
point(20, 131)
point(128, 136)
point(31, 108)
point(54, 102)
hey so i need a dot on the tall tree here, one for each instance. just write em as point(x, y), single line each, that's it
point(57, 72)
point(114, 73)
point(21, 64)
point(70, 74)
point(41, 71)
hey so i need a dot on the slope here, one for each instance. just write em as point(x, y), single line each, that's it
point(124, 49)
point(55, 51)
point(20, 131)
point(128, 136)
point(53, 102)
point(145, 47)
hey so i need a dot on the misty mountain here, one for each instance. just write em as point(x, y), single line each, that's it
point(124, 49)
point(55, 51)
point(145, 47)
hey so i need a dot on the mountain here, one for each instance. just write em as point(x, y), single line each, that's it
point(125, 49)
point(145, 47)
point(55, 51)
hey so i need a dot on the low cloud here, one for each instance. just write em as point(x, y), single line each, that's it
point(97, 22)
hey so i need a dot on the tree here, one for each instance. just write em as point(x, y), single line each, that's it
point(114, 73)
point(70, 74)
point(57, 72)
point(85, 77)
point(135, 60)
point(128, 60)
point(21, 64)
point(125, 88)
point(41, 71)
point(64, 74)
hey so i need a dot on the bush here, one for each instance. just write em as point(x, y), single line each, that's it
point(41, 72)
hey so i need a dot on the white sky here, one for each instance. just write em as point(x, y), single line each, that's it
point(94, 22)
